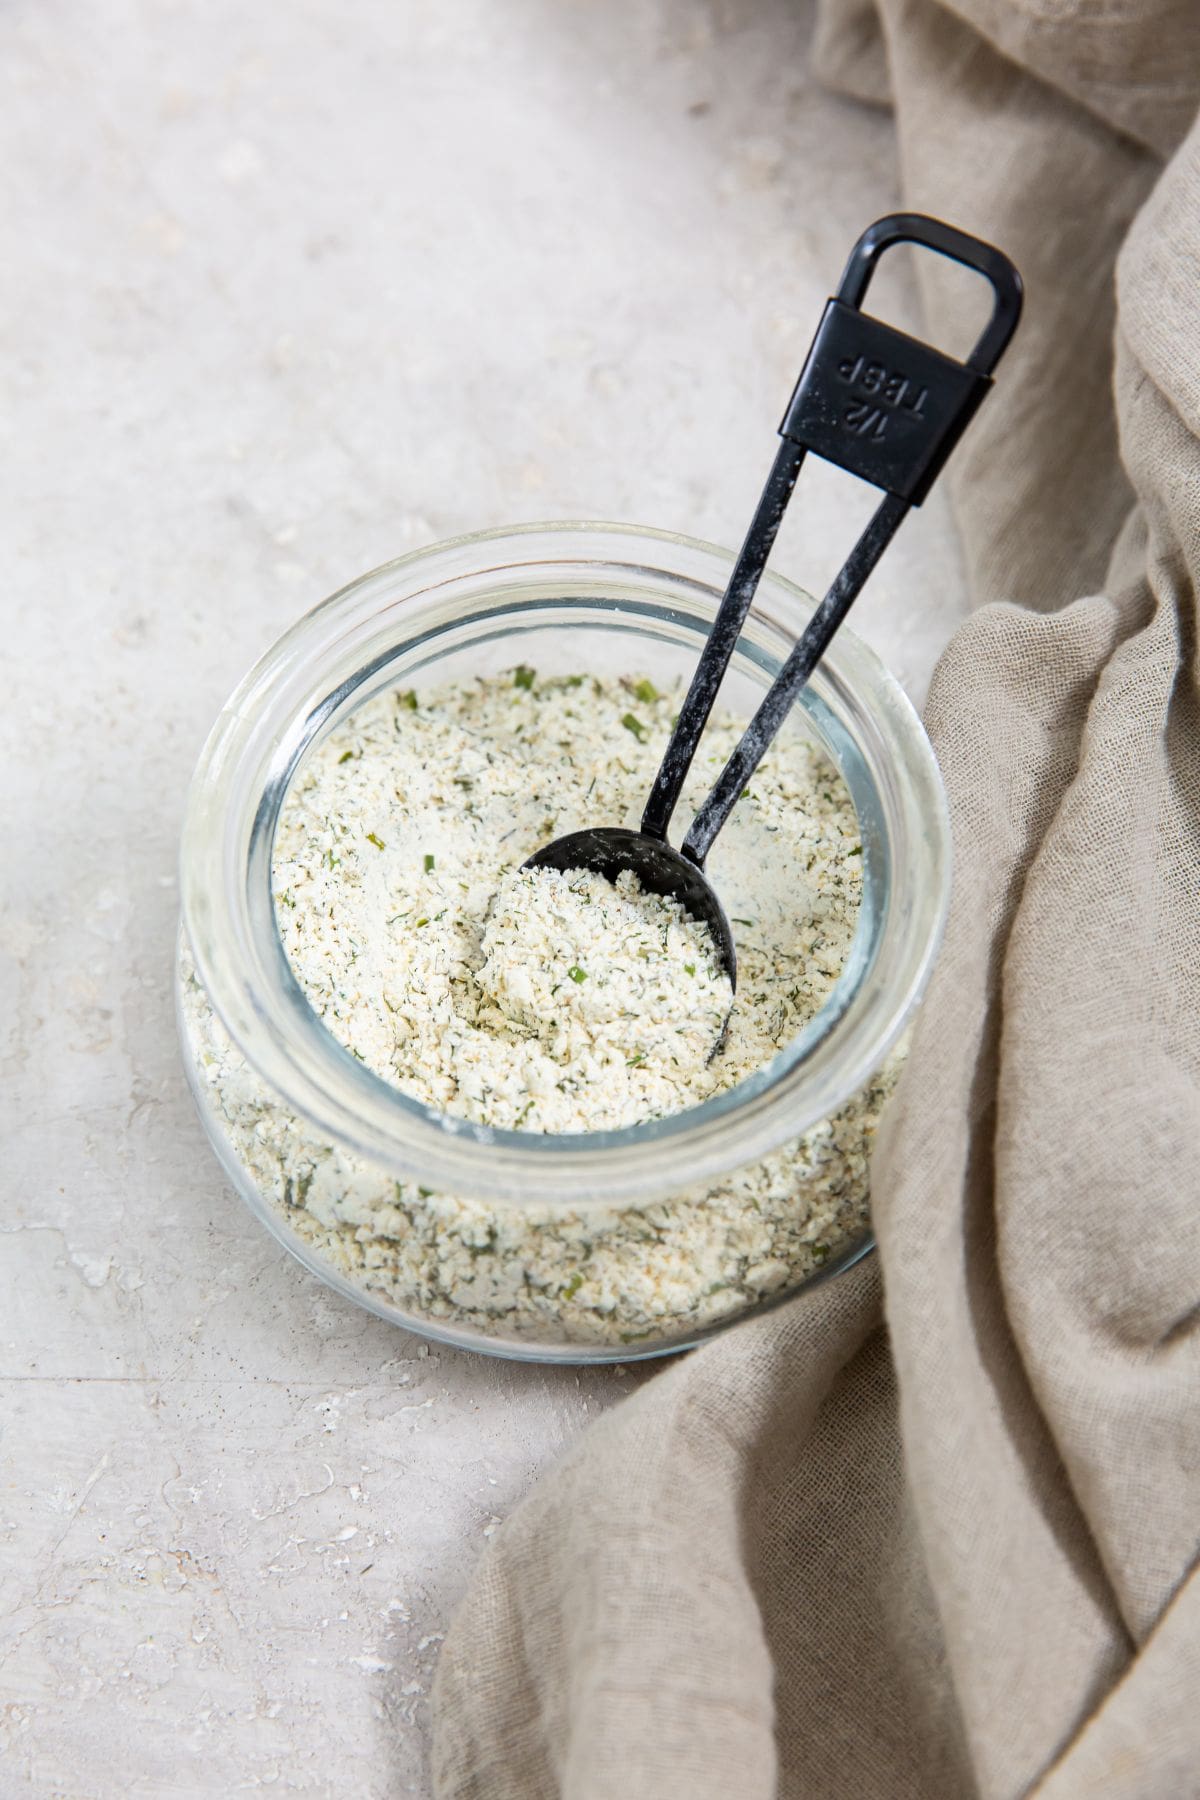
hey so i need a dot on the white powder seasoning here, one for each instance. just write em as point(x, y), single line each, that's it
point(546, 1002)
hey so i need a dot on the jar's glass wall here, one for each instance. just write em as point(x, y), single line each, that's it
point(550, 1283)
point(626, 1243)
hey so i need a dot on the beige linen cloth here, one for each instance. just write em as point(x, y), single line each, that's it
point(954, 1554)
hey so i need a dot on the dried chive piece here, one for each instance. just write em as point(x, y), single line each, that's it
point(409, 699)
point(574, 681)
point(645, 691)
point(820, 1252)
point(690, 968)
point(573, 1286)
point(576, 973)
point(428, 862)
point(377, 841)
point(632, 723)
point(857, 851)
point(523, 676)
point(296, 1192)
point(418, 923)
point(346, 756)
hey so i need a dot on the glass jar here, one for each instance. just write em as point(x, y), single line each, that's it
point(487, 1238)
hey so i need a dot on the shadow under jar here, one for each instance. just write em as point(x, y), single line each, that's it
point(593, 1246)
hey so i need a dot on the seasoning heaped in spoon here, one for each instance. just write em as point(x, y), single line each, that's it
point(888, 408)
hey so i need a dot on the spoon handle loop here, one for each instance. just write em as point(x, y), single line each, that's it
point(880, 403)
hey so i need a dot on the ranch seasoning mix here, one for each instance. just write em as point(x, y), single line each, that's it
point(545, 1002)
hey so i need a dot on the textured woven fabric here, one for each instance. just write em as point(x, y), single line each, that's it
point(953, 1554)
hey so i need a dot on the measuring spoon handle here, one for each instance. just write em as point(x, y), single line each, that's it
point(719, 646)
point(887, 408)
point(781, 695)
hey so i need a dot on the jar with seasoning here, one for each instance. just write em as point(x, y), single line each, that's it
point(441, 1207)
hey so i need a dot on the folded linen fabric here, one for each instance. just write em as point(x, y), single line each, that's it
point(953, 1552)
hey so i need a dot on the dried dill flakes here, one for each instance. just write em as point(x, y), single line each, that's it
point(632, 723)
point(429, 860)
point(524, 676)
point(409, 699)
point(645, 691)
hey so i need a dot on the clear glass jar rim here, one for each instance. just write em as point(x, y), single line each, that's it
point(276, 709)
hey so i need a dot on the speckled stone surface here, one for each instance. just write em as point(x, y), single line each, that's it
point(288, 291)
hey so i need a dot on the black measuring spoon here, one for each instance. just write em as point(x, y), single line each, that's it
point(890, 409)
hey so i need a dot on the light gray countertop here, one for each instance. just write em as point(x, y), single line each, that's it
point(289, 291)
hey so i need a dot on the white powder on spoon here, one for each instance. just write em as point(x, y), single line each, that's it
point(622, 992)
